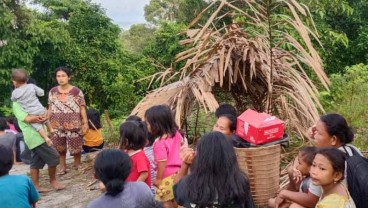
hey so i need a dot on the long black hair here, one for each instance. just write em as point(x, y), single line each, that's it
point(133, 135)
point(94, 117)
point(112, 167)
point(336, 125)
point(216, 176)
point(161, 120)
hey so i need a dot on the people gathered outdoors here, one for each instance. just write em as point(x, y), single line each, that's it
point(153, 165)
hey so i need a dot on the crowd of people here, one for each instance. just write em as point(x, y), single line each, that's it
point(154, 166)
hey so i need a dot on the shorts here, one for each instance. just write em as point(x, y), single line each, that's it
point(72, 139)
point(42, 155)
point(165, 190)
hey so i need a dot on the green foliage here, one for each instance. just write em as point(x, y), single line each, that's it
point(137, 37)
point(348, 96)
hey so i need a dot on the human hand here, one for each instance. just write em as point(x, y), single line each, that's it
point(312, 131)
point(187, 154)
point(157, 182)
point(84, 128)
point(297, 175)
point(49, 142)
point(279, 200)
point(41, 119)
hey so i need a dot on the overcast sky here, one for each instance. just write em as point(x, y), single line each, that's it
point(124, 12)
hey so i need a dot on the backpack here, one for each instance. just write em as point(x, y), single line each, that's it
point(357, 178)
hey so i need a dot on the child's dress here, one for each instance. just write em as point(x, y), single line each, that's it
point(140, 164)
point(336, 201)
point(168, 149)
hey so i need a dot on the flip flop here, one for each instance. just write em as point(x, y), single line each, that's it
point(62, 172)
point(43, 190)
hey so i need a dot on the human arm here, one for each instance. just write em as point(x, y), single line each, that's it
point(39, 92)
point(160, 172)
point(84, 119)
point(187, 156)
point(303, 199)
point(142, 176)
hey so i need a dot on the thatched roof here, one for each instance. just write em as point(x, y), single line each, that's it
point(247, 65)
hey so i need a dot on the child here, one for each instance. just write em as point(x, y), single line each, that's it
point(305, 159)
point(148, 150)
point(93, 139)
point(26, 95)
point(133, 138)
point(16, 190)
point(166, 150)
point(113, 167)
point(327, 171)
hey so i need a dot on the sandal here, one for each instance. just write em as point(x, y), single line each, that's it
point(62, 172)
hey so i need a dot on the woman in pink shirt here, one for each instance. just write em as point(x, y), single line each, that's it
point(166, 150)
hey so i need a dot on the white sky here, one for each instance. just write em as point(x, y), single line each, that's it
point(124, 12)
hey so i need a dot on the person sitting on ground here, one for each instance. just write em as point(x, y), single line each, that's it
point(93, 139)
point(331, 130)
point(113, 167)
point(26, 95)
point(16, 190)
point(133, 138)
point(305, 160)
point(215, 179)
point(328, 171)
point(7, 139)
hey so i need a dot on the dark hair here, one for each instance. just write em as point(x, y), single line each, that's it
point(308, 154)
point(64, 69)
point(161, 120)
point(336, 157)
point(225, 109)
point(10, 119)
point(336, 125)
point(16, 126)
point(19, 75)
point(112, 167)
point(216, 175)
point(3, 124)
point(133, 135)
point(94, 116)
point(133, 118)
point(232, 120)
point(6, 160)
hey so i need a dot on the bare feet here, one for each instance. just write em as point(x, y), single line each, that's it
point(43, 190)
point(56, 185)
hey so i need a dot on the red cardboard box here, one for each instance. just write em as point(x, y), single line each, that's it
point(259, 128)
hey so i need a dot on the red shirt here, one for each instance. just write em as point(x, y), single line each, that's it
point(140, 163)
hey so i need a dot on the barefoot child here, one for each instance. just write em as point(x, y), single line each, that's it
point(305, 159)
point(133, 138)
point(166, 150)
point(16, 190)
point(327, 171)
point(26, 95)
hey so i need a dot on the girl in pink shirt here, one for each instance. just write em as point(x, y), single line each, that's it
point(166, 149)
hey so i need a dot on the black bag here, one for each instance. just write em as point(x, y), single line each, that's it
point(357, 178)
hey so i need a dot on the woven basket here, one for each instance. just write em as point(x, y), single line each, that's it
point(262, 165)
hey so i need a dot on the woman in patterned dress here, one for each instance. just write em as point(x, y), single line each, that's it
point(68, 118)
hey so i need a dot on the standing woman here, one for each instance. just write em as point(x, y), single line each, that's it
point(68, 118)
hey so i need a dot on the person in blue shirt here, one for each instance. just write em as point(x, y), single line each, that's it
point(15, 190)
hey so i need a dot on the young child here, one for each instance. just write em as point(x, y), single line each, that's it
point(305, 159)
point(26, 95)
point(16, 190)
point(148, 150)
point(113, 167)
point(327, 171)
point(166, 150)
point(93, 139)
point(133, 138)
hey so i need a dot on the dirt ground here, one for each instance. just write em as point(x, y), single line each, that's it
point(77, 194)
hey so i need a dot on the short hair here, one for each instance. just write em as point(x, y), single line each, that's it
point(10, 119)
point(133, 135)
point(94, 117)
point(6, 160)
point(112, 167)
point(232, 119)
point(308, 154)
point(19, 75)
point(3, 124)
point(336, 157)
point(225, 109)
point(133, 118)
point(64, 69)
